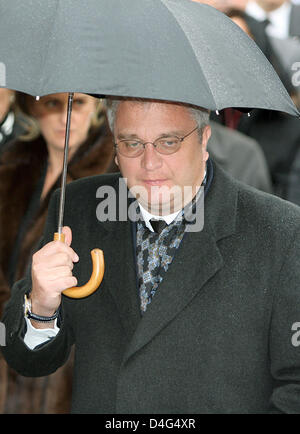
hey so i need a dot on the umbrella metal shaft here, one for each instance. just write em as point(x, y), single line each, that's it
point(65, 165)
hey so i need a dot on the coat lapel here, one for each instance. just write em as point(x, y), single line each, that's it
point(196, 261)
point(192, 271)
point(120, 268)
point(121, 275)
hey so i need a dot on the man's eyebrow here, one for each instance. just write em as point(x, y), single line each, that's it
point(124, 136)
point(172, 133)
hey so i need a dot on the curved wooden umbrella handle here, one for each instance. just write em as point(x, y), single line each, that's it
point(96, 277)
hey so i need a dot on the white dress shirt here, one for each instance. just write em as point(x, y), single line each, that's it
point(279, 18)
point(7, 127)
point(34, 337)
point(147, 216)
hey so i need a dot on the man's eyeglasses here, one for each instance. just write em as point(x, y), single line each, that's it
point(164, 145)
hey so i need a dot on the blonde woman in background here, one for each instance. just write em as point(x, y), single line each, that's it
point(30, 170)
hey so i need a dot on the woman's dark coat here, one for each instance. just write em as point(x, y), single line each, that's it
point(21, 167)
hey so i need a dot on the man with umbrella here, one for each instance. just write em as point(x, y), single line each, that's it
point(216, 333)
point(184, 321)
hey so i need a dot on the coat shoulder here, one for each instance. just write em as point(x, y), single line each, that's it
point(233, 206)
point(267, 211)
point(94, 181)
point(86, 187)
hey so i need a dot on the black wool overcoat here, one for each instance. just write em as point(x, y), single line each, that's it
point(221, 334)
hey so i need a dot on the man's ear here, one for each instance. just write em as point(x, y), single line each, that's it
point(116, 160)
point(205, 138)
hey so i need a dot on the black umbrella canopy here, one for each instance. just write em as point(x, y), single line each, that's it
point(176, 50)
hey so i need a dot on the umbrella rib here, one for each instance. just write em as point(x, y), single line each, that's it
point(65, 165)
point(164, 3)
point(51, 33)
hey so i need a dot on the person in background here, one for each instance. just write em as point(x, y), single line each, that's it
point(275, 27)
point(30, 170)
point(283, 16)
point(10, 125)
point(240, 156)
point(260, 8)
point(270, 23)
point(281, 20)
point(277, 133)
point(224, 5)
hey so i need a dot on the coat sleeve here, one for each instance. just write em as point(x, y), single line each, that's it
point(285, 335)
point(48, 357)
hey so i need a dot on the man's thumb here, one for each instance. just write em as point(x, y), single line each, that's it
point(68, 235)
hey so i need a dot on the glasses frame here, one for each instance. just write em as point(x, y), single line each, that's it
point(181, 139)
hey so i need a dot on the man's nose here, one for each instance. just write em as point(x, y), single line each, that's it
point(151, 159)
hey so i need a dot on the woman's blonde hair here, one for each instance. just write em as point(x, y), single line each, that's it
point(30, 124)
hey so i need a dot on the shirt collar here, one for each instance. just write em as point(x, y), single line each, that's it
point(255, 11)
point(8, 123)
point(280, 21)
point(147, 216)
point(279, 18)
point(260, 14)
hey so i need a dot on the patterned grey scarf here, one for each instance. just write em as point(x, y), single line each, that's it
point(155, 252)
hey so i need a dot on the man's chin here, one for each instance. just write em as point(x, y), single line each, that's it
point(161, 206)
point(162, 200)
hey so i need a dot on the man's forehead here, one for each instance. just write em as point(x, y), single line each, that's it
point(143, 103)
point(134, 118)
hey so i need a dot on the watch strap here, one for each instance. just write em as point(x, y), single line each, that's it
point(39, 318)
